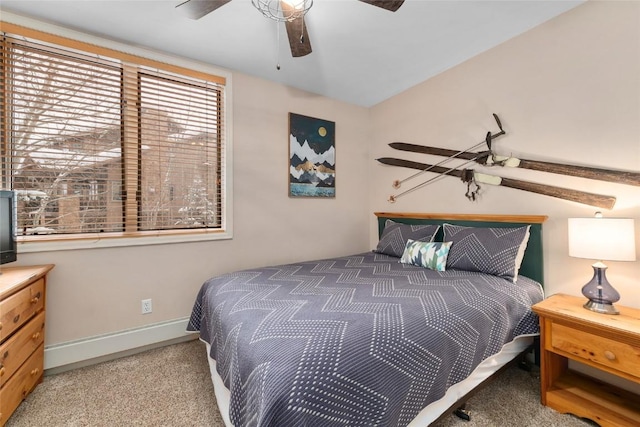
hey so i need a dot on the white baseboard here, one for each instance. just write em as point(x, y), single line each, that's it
point(77, 352)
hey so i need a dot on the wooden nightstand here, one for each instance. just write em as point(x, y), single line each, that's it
point(610, 343)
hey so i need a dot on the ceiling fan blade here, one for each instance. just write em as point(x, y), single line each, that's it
point(196, 9)
point(297, 32)
point(391, 5)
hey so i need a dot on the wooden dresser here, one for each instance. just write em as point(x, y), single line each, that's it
point(609, 343)
point(22, 310)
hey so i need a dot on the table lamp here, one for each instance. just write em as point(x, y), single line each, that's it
point(601, 239)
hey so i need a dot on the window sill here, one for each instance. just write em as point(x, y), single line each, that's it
point(53, 243)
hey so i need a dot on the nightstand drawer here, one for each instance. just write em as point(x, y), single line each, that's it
point(617, 355)
point(20, 307)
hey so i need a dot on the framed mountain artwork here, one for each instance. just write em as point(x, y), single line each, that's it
point(312, 157)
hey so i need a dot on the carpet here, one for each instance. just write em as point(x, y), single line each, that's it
point(171, 386)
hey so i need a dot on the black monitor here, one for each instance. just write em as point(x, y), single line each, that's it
point(8, 245)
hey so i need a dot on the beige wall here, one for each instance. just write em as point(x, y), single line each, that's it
point(567, 91)
point(98, 291)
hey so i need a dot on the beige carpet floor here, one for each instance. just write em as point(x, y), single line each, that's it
point(170, 386)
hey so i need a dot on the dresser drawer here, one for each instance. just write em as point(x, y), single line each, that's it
point(20, 307)
point(21, 384)
point(621, 356)
point(20, 346)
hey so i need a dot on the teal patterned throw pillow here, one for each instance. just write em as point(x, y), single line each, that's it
point(431, 255)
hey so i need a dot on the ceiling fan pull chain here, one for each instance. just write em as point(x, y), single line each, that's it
point(278, 46)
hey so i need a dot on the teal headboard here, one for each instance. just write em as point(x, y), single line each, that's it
point(532, 264)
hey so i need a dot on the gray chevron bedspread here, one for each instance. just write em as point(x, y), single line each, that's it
point(361, 340)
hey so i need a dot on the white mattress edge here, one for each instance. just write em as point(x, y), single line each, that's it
point(221, 391)
point(430, 413)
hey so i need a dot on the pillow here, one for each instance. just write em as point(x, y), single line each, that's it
point(431, 255)
point(395, 236)
point(496, 251)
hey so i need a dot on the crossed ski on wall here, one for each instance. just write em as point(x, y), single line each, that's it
point(489, 158)
point(591, 199)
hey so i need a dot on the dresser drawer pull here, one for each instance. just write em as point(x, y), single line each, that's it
point(2, 370)
point(35, 371)
point(35, 299)
point(35, 336)
point(609, 355)
point(0, 326)
point(16, 319)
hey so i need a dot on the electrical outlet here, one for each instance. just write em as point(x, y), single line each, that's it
point(146, 306)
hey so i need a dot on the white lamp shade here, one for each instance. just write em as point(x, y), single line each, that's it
point(605, 239)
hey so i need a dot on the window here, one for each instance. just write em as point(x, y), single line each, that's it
point(101, 142)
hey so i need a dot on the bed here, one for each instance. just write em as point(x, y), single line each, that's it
point(397, 336)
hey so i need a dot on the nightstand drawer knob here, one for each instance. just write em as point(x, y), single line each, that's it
point(609, 355)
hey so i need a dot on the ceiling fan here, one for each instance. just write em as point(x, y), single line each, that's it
point(294, 20)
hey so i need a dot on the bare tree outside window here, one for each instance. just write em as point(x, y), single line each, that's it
point(64, 139)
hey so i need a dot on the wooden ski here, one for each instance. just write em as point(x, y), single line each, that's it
point(486, 158)
point(585, 198)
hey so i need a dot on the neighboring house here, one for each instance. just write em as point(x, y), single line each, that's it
point(80, 177)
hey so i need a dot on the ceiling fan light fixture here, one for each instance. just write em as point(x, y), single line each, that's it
point(283, 10)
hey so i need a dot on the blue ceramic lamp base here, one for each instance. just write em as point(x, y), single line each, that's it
point(599, 292)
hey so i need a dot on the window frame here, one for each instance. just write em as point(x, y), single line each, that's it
point(150, 59)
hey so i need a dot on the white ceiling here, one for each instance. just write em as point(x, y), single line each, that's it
point(361, 54)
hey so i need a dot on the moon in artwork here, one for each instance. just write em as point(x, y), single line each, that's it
point(322, 131)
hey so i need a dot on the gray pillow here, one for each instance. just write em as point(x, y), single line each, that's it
point(395, 235)
point(495, 251)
